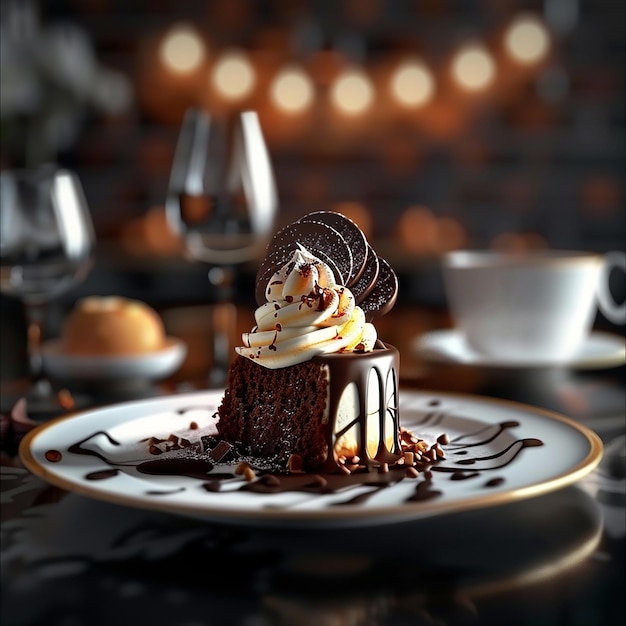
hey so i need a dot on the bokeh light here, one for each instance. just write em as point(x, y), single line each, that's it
point(182, 49)
point(150, 234)
point(519, 242)
point(233, 75)
point(527, 40)
point(473, 67)
point(420, 231)
point(352, 92)
point(417, 231)
point(412, 84)
point(292, 90)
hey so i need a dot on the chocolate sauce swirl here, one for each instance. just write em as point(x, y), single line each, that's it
point(195, 462)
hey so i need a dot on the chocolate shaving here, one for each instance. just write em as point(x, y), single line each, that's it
point(220, 451)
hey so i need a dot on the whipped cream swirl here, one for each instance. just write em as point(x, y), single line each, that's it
point(306, 314)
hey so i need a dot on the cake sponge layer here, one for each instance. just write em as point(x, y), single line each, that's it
point(286, 415)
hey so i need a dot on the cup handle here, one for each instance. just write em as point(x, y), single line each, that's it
point(613, 311)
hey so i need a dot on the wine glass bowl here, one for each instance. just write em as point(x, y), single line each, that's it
point(46, 247)
point(222, 203)
point(46, 235)
point(221, 197)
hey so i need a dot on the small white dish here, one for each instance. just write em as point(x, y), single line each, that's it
point(600, 350)
point(147, 366)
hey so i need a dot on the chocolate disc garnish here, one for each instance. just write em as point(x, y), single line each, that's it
point(317, 238)
point(276, 260)
point(367, 282)
point(385, 292)
point(272, 262)
point(352, 235)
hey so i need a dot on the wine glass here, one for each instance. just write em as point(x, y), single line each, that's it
point(46, 247)
point(222, 202)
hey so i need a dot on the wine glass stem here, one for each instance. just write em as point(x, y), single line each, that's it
point(223, 321)
point(34, 320)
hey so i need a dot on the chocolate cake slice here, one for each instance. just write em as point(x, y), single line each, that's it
point(273, 414)
point(313, 387)
point(323, 414)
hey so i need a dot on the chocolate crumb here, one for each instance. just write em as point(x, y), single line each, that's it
point(411, 472)
point(54, 456)
point(220, 451)
point(249, 474)
point(242, 467)
point(295, 463)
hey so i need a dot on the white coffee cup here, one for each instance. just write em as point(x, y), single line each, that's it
point(527, 307)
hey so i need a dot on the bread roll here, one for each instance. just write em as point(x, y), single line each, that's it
point(112, 326)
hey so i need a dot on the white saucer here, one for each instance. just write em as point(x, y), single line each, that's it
point(148, 366)
point(600, 350)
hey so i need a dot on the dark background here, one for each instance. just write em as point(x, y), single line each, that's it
point(536, 160)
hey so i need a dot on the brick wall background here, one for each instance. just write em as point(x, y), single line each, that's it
point(538, 159)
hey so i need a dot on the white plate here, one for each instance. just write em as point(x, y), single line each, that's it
point(600, 350)
point(97, 453)
point(148, 366)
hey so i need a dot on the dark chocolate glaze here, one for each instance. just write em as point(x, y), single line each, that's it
point(496, 431)
point(463, 475)
point(195, 462)
point(424, 491)
point(518, 445)
point(356, 368)
point(491, 433)
point(77, 448)
point(193, 468)
point(102, 475)
point(432, 418)
point(165, 492)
